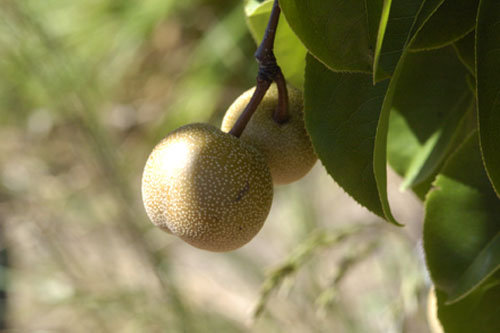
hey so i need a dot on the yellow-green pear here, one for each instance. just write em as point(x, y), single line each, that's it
point(287, 147)
point(207, 187)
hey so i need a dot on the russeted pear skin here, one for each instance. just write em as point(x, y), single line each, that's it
point(287, 147)
point(207, 187)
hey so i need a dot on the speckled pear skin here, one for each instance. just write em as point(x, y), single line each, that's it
point(287, 147)
point(207, 187)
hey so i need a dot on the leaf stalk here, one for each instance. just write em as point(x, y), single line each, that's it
point(269, 71)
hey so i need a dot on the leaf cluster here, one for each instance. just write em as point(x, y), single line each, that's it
point(412, 83)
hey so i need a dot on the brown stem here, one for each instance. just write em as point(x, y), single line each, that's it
point(269, 71)
point(265, 52)
point(241, 123)
point(280, 115)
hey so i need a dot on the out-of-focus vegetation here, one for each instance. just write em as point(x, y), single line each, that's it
point(86, 90)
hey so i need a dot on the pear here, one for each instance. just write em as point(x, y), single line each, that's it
point(287, 147)
point(207, 187)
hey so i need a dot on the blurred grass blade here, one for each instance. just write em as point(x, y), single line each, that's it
point(299, 257)
point(4, 266)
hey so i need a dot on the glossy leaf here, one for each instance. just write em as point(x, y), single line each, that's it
point(342, 111)
point(466, 127)
point(488, 86)
point(430, 101)
point(427, 9)
point(452, 21)
point(465, 48)
point(380, 149)
point(373, 13)
point(335, 32)
point(478, 312)
point(289, 51)
point(484, 266)
point(396, 22)
point(461, 220)
point(347, 118)
point(378, 73)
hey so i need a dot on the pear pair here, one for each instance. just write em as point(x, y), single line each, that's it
point(214, 190)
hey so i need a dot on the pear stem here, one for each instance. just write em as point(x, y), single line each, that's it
point(269, 71)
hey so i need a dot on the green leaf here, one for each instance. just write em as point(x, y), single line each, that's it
point(380, 150)
point(471, 81)
point(478, 312)
point(466, 127)
point(427, 9)
point(465, 49)
point(347, 117)
point(288, 49)
point(335, 32)
point(374, 10)
point(396, 21)
point(430, 101)
point(452, 21)
point(378, 73)
point(484, 266)
point(422, 189)
point(251, 5)
point(461, 220)
point(488, 87)
point(342, 111)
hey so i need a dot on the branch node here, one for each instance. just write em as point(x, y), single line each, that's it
point(269, 71)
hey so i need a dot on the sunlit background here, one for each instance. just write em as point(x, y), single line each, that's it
point(87, 88)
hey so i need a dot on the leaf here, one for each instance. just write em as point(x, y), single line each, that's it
point(488, 87)
point(335, 32)
point(471, 81)
point(422, 189)
point(347, 118)
point(465, 49)
point(478, 312)
point(484, 266)
point(380, 150)
point(374, 10)
point(462, 217)
point(251, 5)
point(430, 102)
point(288, 49)
point(452, 21)
point(466, 127)
point(427, 9)
point(378, 73)
point(395, 24)
point(342, 111)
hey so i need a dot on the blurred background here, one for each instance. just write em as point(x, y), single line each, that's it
point(87, 88)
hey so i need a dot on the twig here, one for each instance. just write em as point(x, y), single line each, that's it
point(269, 71)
